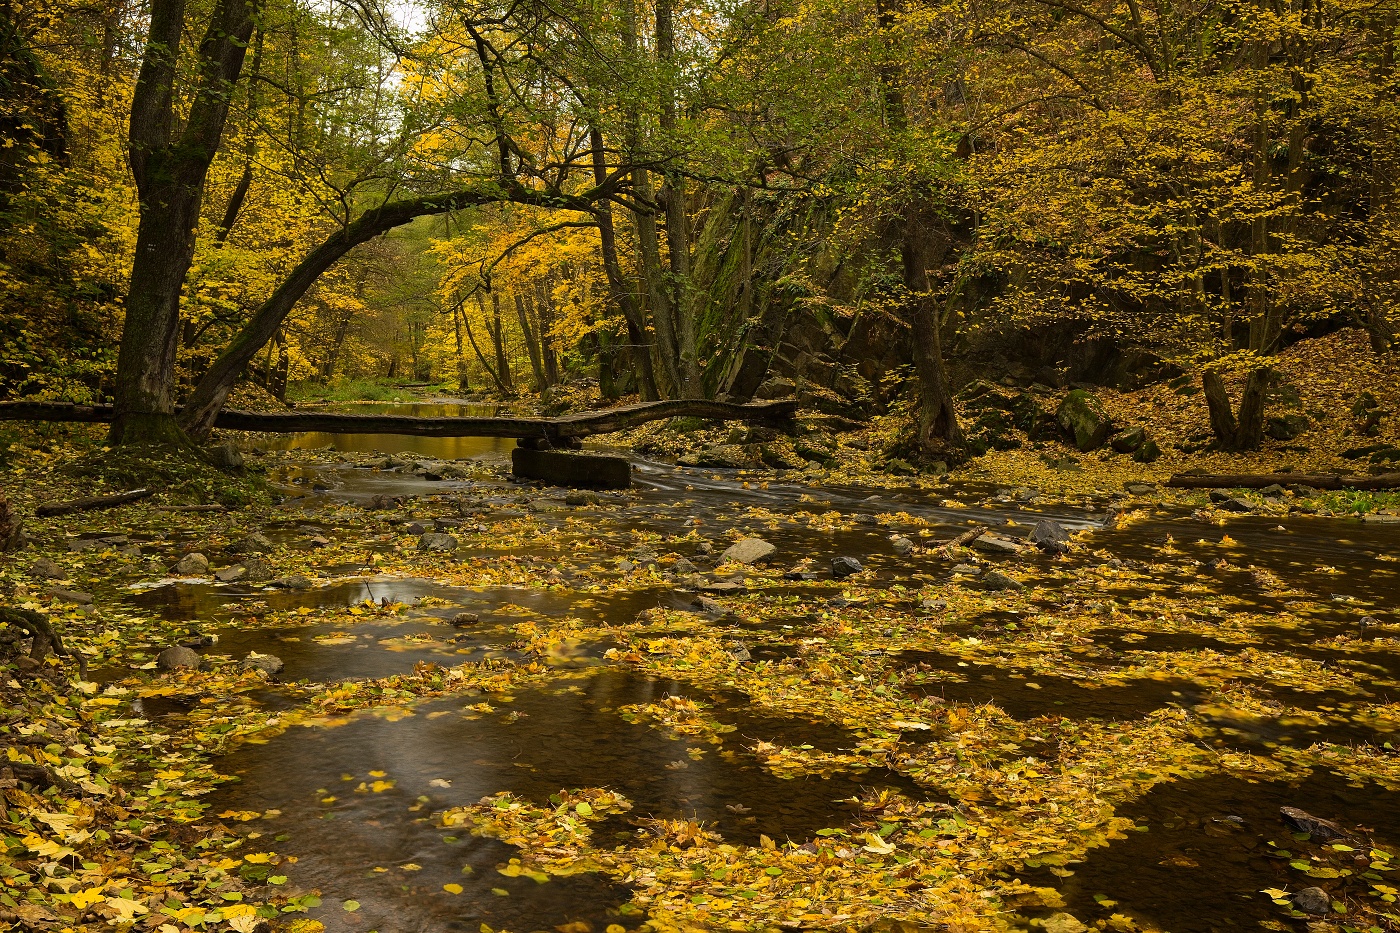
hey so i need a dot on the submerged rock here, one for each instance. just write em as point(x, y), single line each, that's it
point(175, 658)
point(45, 569)
point(257, 570)
point(996, 580)
point(1301, 821)
point(1314, 901)
point(902, 546)
point(747, 551)
point(995, 544)
point(231, 574)
point(255, 543)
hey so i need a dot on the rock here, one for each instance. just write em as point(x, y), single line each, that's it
point(902, 546)
point(722, 456)
point(738, 651)
point(1314, 901)
point(463, 619)
point(711, 607)
point(747, 551)
point(684, 566)
point(704, 549)
point(226, 457)
point(45, 569)
point(269, 664)
point(199, 640)
point(1287, 427)
point(581, 498)
point(1139, 489)
point(933, 605)
point(255, 543)
point(966, 570)
point(626, 566)
point(419, 528)
point(1125, 442)
point(174, 658)
point(257, 570)
point(842, 567)
point(1148, 452)
point(28, 666)
point(775, 387)
point(900, 467)
point(437, 541)
point(318, 541)
point(231, 574)
point(193, 564)
point(722, 588)
point(571, 469)
point(1082, 416)
point(1273, 491)
point(996, 580)
point(995, 544)
point(295, 582)
point(1232, 504)
point(800, 574)
point(1301, 821)
point(1050, 536)
point(70, 596)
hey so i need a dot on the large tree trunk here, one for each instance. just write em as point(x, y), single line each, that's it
point(532, 346)
point(1246, 433)
point(170, 176)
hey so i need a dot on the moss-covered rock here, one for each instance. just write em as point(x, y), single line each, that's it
point(1083, 418)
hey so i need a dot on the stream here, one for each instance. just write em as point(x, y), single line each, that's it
point(356, 802)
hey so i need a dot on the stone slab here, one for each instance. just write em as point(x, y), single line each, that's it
point(559, 468)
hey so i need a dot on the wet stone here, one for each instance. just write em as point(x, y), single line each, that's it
point(996, 580)
point(436, 541)
point(231, 574)
point(747, 551)
point(175, 658)
point(268, 664)
point(1050, 536)
point(1313, 901)
point(45, 569)
point(193, 564)
point(254, 543)
point(842, 567)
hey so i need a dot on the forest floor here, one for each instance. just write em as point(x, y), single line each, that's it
point(433, 699)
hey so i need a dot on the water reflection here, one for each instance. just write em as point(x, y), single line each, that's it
point(440, 448)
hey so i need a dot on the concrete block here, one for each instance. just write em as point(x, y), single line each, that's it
point(571, 469)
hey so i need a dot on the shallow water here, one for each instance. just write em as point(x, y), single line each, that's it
point(1195, 868)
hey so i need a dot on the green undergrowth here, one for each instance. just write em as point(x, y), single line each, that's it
point(355, 390)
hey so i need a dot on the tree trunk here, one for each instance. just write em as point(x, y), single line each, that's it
point(618, 291)
point(1249, 433)
point(170, 176)
point(463, 382)
point(1222, 415)
point(498, 338)
point(544, 315)
point(532, 346)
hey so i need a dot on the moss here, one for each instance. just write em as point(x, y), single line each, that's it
point(179, 472)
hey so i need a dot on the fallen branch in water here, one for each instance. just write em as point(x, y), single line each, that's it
point(192, 508)
point(967, 537)
point(90, 503)
point(45, 640)
point(1261, 480)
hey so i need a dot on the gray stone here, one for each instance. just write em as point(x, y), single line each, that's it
point(226, 457)
point(571, 469)
point(1314, 901)
point(1125, 442)
point(1301, 821)
point(1148, 452)
point(295, 582)
point(995, 544)
point(996, 580)
point(1050, 536)
point(580, 499)
point(463, 619)
point(255, 543)
point(1082, 417)
point(318, 541)
point(199, 640)
point(1273, 491)
point(45, 569)
point(775, 387)
point(722, 587)
point(747, 551)
point(420, 528)
point(842, 567)
point(436, 541)
point(704, 549)
point(902, 546)
point(684, 566)
point(722, 456)
point(231, 574)
point(1140, 489)
point(258, 570)
point(711, 607)
point(966, 570)
point(269, 664)
point(738, 651)
point(173, 658)
point(1287, 427)
point(70, 596)
point(193, 564)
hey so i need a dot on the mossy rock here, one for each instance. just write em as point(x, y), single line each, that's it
point(1083, 418)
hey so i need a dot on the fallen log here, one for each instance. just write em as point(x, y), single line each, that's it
point(568, 426)
point(964, 539)
point(89, 503)
point(1261, 480)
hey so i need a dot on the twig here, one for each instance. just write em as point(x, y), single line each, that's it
point(90, 503)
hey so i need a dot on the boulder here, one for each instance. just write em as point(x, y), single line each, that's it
point(295, 582)
point(1301, 821)
point(1287, 427)
point(747, 551)
point(996, 580)
point(257, 570)
point(842, 567)
point(174, 658)
point(1125, 442)
point(1139, 489)
point(45, 569)
point(775, 387)
point(902, 546)
point(1148, 452)
point(722, 456)
point(231, 574)
point(1082, 417)
point(463, 619)
point(193, 564)
point(437, 541)
point(255, 543)
point(269, 664)
point(1313, 901)
point(70, 596)
point(995, 544)
point(226, 457)
point(1050, 536)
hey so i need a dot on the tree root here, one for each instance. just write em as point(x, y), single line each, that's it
point(45, 640)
